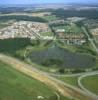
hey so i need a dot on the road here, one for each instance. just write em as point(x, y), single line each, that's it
point(71, 75)
point(90, 39)
point(57, 85)
point(58, 96)
point(82, 87)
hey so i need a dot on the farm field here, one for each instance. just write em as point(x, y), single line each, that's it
point(50, 18)
point(90, 83)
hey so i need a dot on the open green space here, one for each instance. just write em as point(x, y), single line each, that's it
point(90, 83)
point(70, 80)
point(47, 34)
point(50, 17)
point(17, 86)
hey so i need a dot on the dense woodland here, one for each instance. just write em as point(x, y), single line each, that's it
point(92, 14)
point(22, 17)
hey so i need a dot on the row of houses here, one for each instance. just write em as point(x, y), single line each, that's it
point(25, 29)
point(70, 37)
point(95, 34)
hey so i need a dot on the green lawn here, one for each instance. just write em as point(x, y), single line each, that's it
point(70, 80)
point(91, 83)
point(47, 34)
point(17, 86)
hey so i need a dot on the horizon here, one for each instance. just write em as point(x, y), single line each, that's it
point(25, 2)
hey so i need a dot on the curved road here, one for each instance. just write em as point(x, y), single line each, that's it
point(57, 85)
point(71, 75)
point(82, 87)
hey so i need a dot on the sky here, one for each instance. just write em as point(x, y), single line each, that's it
point(46, 1)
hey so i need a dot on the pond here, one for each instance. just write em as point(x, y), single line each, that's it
point(56, 56)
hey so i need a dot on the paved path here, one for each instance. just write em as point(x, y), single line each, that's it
point(71, 75)
point(83, 87)
point(58, 96)
point(57, 85)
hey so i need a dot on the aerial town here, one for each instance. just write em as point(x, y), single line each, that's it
point(48, 51)
point(26, 29)
point(37, 30)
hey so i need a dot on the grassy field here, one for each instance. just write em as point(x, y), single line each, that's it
point(70, 80)
point(91, 83)
point(50, 17)
point(17, 86)
point(47, 34)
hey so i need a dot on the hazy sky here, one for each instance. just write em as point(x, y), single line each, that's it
point(45, 1)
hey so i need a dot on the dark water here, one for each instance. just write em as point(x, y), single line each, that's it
point(62, 58)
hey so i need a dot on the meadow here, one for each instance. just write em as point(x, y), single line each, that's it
point(89, 84)
point(17, 86)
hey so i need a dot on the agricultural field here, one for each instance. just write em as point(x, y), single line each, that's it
point(90, 83)
point(50, 17)
point(17, 86)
